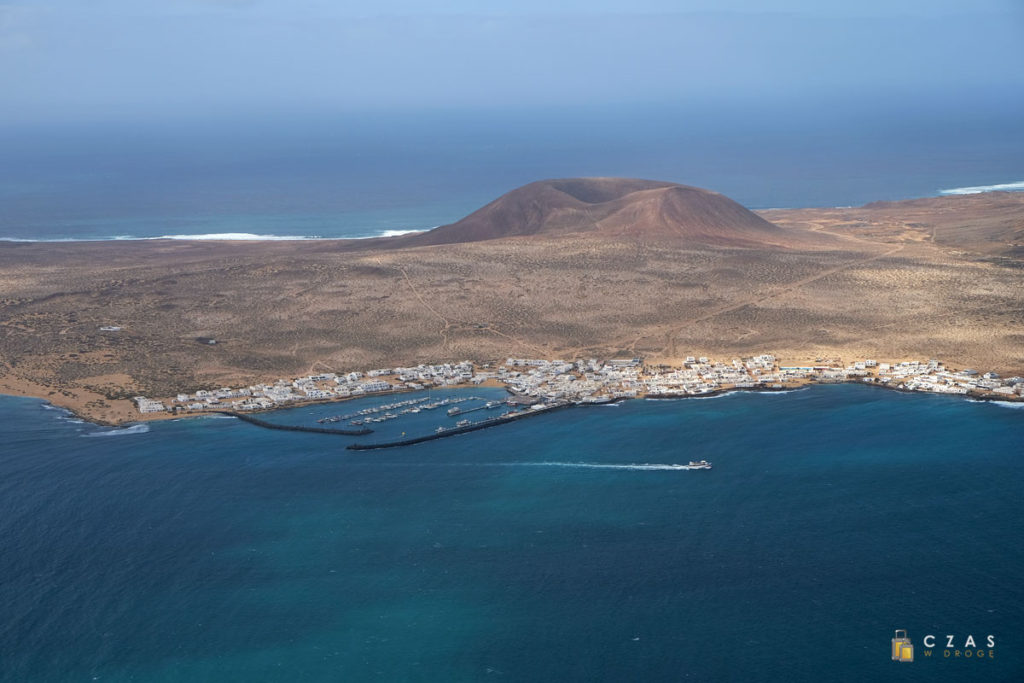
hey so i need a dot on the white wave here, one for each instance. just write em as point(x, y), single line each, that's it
point(722, 395)
point(222, 237)
point(1009, 404)
point(122, 431)
point(219, 236)
point(600, 466)
point(1017, 186)
point(229, 237)
point(397, 233)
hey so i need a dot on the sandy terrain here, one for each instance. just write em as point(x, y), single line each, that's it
point(875, 286)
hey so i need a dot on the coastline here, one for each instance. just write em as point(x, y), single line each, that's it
point(74, 408)
point(1012, 187)
point(156, 317)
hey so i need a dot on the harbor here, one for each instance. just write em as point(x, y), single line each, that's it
point(462, 428)
point(585, 382)
point(293, 428)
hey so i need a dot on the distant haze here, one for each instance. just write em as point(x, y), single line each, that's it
point(139, 118)
point(123, 59)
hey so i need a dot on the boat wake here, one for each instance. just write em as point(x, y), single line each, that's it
point(1017, 186)
point(600, 466)
point(124, 431)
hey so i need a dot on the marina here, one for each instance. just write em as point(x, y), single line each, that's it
point(581, 381)
point(407, 407)
point(463, 427)
point(490, 405)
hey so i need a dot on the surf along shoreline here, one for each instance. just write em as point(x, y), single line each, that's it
point(72, 410)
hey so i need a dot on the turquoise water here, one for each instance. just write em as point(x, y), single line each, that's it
point(212, 550)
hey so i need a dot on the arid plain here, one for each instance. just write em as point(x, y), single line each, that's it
point(617, 270)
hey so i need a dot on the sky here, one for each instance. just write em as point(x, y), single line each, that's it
point(113, 60)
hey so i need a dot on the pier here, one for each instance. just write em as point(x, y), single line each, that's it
point(452, 431)
point(490, 405)
point(294, 428)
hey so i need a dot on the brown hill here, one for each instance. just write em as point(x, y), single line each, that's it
point(612, 207)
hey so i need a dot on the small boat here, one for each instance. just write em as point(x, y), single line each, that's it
point(699, 465)
point(454, 411)
point(462, 423)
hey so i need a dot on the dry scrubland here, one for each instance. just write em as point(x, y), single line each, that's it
point(891, 281)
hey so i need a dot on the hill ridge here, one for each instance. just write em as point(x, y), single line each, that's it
point(613, 207)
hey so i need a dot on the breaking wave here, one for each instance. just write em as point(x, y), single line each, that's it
point(1017, 186)
point(123, 431)
point(229, 237)
point(222, 237)
point(396, 233)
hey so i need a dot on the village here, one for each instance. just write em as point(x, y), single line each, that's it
point(558, 382)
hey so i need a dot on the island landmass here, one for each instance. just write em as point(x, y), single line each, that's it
point(574, 269)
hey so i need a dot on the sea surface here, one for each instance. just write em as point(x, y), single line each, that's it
point(364, 176)
point(212, 550)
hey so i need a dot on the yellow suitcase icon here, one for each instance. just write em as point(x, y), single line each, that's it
point(902, 648)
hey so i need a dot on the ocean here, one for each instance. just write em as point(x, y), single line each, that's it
point(551, 549)
point(364, 176)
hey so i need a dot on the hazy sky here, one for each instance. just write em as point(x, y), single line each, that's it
point(119, 59)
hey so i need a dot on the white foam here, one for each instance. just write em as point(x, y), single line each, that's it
point(229, 237)
point(397, 233)
point(699, 397)
point(123, 431)
point(600, 466)
point(1009, 404)
point(223, 237)
point(1017, 186)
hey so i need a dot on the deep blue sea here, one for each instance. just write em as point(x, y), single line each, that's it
point(362, 176)
point(212, 550)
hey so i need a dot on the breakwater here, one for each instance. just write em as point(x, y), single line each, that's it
point(294, 428)
point(453, 431)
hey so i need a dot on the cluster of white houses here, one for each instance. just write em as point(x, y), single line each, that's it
point(588, 381)
point(324, 386)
